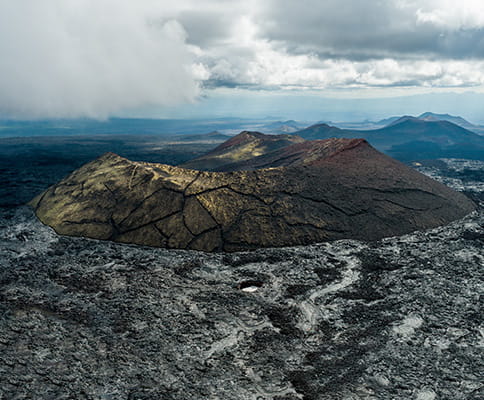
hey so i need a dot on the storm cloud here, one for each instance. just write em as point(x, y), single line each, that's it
point(359, 30)
point(91, 58)
point(63, 58)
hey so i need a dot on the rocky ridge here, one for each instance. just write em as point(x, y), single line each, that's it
point(241, 148)
point(344, 190)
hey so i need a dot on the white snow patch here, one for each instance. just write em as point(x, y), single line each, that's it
point(426, 394)
point(250, 289)
point(408, 325)
point(221, 345)
point(381, 380)
point(481, 339)
point(468, 255)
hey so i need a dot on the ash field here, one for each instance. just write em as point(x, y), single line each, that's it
point(400, 318)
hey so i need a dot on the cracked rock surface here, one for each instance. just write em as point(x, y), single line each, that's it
point(399, 318)
point(352, 191)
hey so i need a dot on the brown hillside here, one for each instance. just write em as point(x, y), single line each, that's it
point(331, 190)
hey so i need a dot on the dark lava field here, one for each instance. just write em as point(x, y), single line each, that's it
point(400, 318)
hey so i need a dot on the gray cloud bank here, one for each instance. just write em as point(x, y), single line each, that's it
point(351, 44)
point(93, 58)
point(63, 58)
point(361, 30)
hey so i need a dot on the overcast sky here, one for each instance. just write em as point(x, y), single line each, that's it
point(71, 58)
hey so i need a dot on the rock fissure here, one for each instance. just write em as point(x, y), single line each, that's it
point(405, 206)
point(155, 221)
point(116, 230)
point(115, 198)
point(143, 201)
point(209, 213)
point(398, 190)
point(161, 232)
point(323, 201)
point(308, 224)
point(238, 219)
point(196, 237)
point(191, 183)
point(86, 221)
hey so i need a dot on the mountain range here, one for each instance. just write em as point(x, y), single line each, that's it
point(430, 116)
point(411, 138)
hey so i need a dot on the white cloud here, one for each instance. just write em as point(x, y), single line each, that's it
point(320, 45)
point(70, 58)
point(252, 61)
point(449, 14)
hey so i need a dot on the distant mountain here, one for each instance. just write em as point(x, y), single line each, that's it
point(403, 119)
point(442, 132)
point(429, 116)
point(445, 138)
point(387, 121)
point(433, 117)
point(282, 127)
point(246, 145)
point(324, 131)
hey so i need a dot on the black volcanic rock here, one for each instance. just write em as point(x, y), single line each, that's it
point(395, 319)
point(330, 190)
